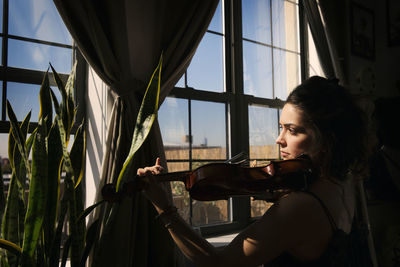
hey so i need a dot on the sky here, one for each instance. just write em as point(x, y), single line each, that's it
point(39, 19)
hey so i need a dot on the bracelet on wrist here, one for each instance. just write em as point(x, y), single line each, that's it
point(167, 216)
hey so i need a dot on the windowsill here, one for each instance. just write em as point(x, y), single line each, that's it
point(221, 241)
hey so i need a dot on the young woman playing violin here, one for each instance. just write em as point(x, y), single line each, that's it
point(303, 228)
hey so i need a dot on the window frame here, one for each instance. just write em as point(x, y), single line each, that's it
point(237, 104)
point(35, 77)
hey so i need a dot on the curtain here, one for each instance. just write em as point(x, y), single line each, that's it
point(122, 41)
point(327, 24)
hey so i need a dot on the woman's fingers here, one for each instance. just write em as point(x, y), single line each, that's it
point(153, 170)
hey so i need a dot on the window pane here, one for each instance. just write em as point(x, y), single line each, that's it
point(314, 66)
point(259, 207)
point(181, 82)
point(263, 131)
point(5, 163)
point(25, 97)
point(285, 25)
point(208, 130)
point(216, 22)
point(206, 71)
point(34, 56)
point(209, 212)
point(286, 72)
point(180, 195)
point(173, 120)
point(256, 21)
point(37, 19)
point(257, 70)
point(1, 15)
point(1, 49)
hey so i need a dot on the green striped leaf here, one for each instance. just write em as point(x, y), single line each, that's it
point(78, 154)
point(69, 88)
point(46, 108)
point(11, 226)
point(37, 194)
point(88, 210)
point(2, 197)
point(53, 182)
point(10, 246)
point(90, 240)
point(18, 135)
point(64, 113)
point(145, 119)
point(56, 243)
point(66, 157)
point(76, 239)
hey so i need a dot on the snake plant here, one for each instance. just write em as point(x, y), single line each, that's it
point(32, 228)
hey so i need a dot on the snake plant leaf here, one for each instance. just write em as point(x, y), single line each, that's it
point(66, 157)
point(2, 197)
point(29, 142)
point(145, 119)
point(59, 82)
point(18, 135)
point(67, 104)
point(63, 138)
point(20, 160)
point(55, 101)
point(64, 256)
point(11, 146)
point(77, 154)
point(70, 103)
point(89, 209)
point(10, 246)
point(90, 239)
point(46, 108)
point(75, 234)
point(56, 243)
point(11, 227)
point(19, 171)
point(53, 182)
point(37, 193)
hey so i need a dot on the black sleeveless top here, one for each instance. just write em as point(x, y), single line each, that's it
point(334, 255)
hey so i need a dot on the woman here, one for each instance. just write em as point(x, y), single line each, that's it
point(307, 228)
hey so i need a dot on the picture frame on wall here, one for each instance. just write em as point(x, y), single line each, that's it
point(393, 22)
point(362, 31)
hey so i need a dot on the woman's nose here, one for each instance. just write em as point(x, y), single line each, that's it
point(280, 140)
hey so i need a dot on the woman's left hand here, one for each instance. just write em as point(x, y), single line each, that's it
point(154, 190)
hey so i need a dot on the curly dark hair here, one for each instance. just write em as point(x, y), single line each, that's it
point(338, 124)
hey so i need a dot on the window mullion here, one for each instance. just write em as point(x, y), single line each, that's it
point(239, 111)
point(4, 57)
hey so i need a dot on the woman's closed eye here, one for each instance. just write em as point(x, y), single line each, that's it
point(292, 130)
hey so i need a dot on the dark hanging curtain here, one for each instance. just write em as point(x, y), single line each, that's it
point(122, 41)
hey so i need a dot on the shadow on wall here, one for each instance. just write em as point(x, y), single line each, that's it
point(383, 185)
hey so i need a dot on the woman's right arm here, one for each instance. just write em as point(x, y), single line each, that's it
point(277, 231)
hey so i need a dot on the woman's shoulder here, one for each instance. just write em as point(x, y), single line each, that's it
point(301, 213)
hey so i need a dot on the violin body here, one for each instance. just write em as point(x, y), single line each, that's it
point(216, 181)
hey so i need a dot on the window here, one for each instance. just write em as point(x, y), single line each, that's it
point(229, 101)
point(32, 34)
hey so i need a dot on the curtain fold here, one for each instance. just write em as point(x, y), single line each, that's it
point(122, 41)
point(330, 37)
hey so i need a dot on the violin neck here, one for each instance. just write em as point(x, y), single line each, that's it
point(173, 176)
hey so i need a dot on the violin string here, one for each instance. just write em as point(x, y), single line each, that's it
point(238, 158)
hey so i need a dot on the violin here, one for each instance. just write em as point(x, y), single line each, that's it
point(217, 181)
